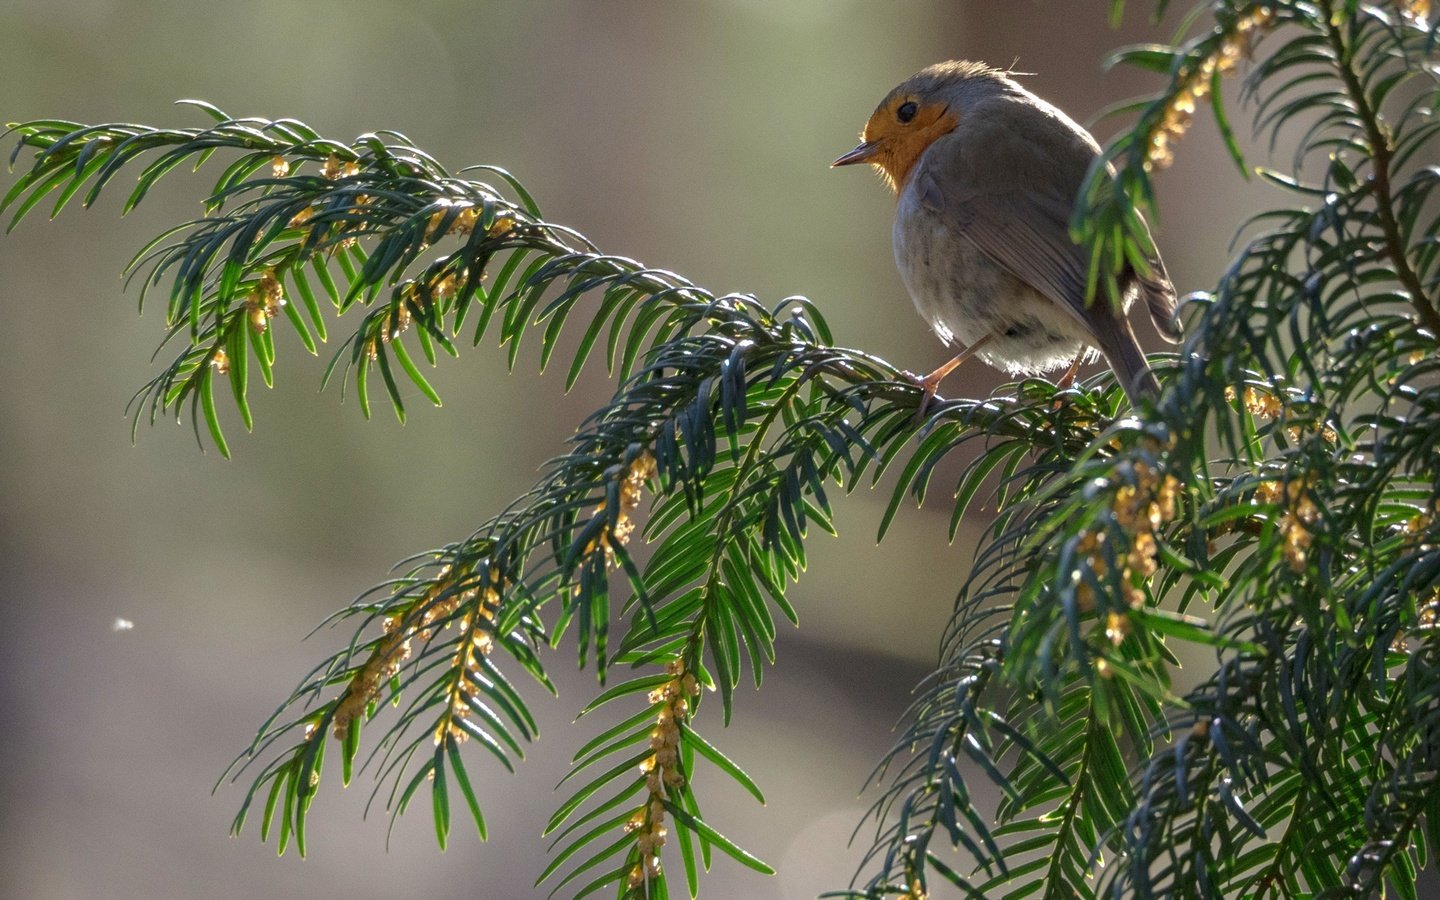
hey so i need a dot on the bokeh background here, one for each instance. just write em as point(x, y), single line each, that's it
point(694, 136)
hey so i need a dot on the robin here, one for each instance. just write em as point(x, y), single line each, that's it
point(987, 175)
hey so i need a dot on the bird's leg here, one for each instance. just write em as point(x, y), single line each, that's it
point(1068, 378)
point(931, 383)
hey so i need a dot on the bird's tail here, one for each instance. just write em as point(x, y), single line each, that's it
point(1123, 352)
point(1159, 296)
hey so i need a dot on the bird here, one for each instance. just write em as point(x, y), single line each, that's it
point(986, 176)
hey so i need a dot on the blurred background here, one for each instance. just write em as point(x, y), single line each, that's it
point(692, 136)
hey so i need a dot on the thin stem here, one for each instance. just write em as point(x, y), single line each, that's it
point(1380, 156)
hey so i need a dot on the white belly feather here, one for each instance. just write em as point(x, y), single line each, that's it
point(965, 296)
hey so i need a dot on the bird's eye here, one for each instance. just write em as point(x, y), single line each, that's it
point(906, 112)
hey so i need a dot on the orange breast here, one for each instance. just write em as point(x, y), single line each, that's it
point(901, 145)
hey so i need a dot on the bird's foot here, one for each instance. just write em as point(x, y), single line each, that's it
point(928, 385)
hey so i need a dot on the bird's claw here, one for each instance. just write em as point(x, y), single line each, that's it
point(928, 385)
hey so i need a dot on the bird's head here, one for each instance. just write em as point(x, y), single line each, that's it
point(927, 105)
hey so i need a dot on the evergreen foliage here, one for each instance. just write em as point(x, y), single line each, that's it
point(1276, 507)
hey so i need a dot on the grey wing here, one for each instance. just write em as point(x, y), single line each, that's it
point(1027, 233)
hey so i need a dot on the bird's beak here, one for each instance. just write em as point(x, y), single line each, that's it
point(860, 154)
